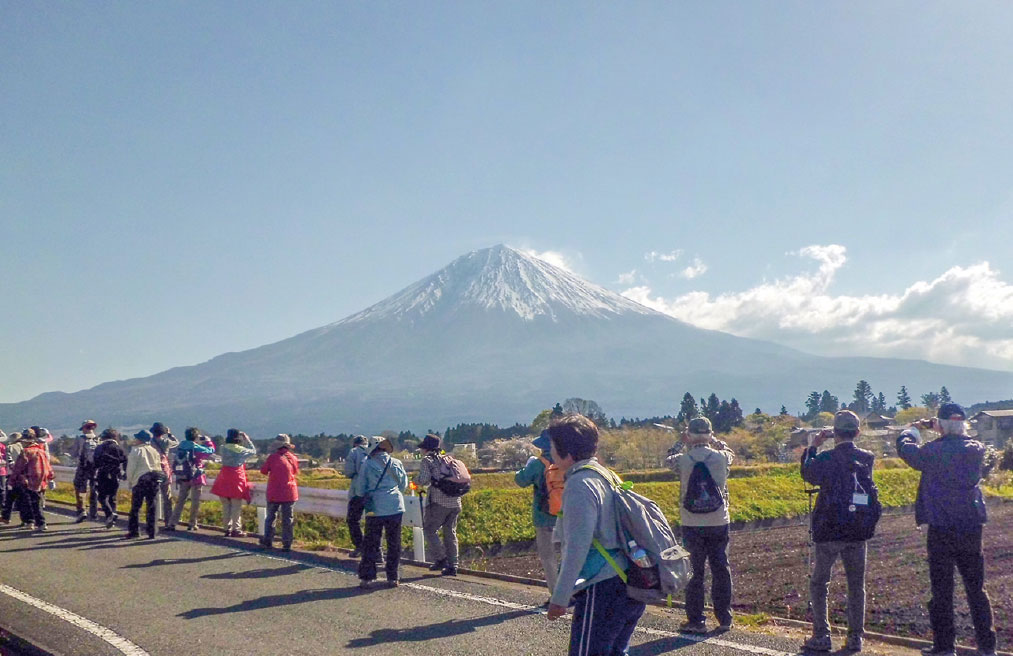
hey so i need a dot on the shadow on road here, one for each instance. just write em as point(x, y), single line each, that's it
point(83, 543)
point(441, 630)
point(158, 562)
point(273, 601)
point(265, 573)
point(661, 646)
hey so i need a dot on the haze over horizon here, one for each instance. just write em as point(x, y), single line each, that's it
point(182, 182)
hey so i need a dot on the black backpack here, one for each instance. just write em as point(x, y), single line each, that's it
point(853, 508)
point(184, 467)
point(702, 493)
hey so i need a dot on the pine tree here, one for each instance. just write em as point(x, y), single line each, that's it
point(828, 403)
point(903, 398)
point(944, 395)
point(930, 400)
point(688, 409)
point(879, 403)
point(713, 407)
point(812, 404)
point(863, 396)
point(557, 410)
point(784, 411)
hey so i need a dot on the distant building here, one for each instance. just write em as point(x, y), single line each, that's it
point(877, 421)
point(994, 427)
point(467, 448)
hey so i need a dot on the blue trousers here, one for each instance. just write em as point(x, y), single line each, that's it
point(603, 620)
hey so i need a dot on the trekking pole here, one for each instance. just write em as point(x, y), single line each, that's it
point(811, 491)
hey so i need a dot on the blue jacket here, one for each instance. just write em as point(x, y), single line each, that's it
point(952, 467)
point(385, 494)
point(534, 474)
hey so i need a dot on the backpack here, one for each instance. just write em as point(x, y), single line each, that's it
point(87, 456)
point(551, 501)
point(666, 569)
point(853, 508)
point(184, 466)
point(451, 476)
point(702, 493)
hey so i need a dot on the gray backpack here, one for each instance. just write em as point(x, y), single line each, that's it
point(667, 569)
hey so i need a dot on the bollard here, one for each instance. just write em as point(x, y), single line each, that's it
point(419, 544)
point(261, 520)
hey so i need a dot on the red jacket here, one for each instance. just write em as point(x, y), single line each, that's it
point(281, 468)
point(32, 468)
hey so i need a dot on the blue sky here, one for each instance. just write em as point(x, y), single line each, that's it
point(180, 180)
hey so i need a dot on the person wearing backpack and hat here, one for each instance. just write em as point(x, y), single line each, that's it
point(83, 453)
point(281, 468)
point(164, 441)
point(188, 469)
point(353, 468)
point(441, 511)
point(110, 468)
point(950, 501)
point(382, 483)
point(533, 474)
point(144, 477)
point(4, 464)
point(846, 512)
point(32, 474)
point(15, 446)
point(604, 615)
point(703, 510)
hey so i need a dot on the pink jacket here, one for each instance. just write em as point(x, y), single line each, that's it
point(281, 468)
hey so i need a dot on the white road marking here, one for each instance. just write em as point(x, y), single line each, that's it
point(125, 646)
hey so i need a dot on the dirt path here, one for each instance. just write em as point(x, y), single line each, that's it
point(769, 570)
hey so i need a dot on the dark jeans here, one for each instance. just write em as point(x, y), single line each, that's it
point(108, 484)
point(391, 525)
point(14, 501)
point(949, 548)
point(31, 506)
point(3, 492)
point(84, 486)
point(603, 619)
point(708, 543)
point(356, 505)
point(145, 491)
point(287, 523)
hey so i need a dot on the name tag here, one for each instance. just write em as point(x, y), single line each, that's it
point(860, 499)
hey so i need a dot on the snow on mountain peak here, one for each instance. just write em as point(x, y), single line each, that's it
point(501, 278)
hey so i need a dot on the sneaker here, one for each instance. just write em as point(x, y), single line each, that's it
point(169, 528)
point(438, 565)
point(111, 521)
point(265, 545)
point(131, 536)
point(818, 643)
point(356, 553)
point(41, 528)
point(854, 643)
point(392, 584)
point(690, 626)
point(238, 534)
point(932, 651)
point(363, 584)
point(449, 570)
point(191, 528)
point(80, 518)
point(725, 625)
point(286, 548)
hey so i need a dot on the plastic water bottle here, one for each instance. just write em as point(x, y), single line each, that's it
point(639, 556)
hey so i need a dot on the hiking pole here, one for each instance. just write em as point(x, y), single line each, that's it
point(811, 491)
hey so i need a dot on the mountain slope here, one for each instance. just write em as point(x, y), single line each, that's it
point(497, 335)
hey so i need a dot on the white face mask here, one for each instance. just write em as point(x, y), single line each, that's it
point(953, 426)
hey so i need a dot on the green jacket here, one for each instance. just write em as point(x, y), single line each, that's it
point(534, 474)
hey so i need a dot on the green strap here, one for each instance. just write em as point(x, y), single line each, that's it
point(611, 561)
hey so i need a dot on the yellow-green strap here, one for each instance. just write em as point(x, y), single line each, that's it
point(607, 556)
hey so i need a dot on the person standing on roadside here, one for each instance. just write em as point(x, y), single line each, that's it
point(83, 453)
point(533, 474)
point(110, 468)
point(281, 468)
point(441, 511)
point(353, 468)
point(703, 509)
point(188, 470)
point(31, 475)
point(164, 441)
point(4, 464)
point(844, 476)
point(15, 446)
point(950, 501)
point(231, 485)
point(382, 483)
point(604, 616)
point(144, 476)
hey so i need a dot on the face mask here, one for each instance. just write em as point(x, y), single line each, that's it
point(953, 426)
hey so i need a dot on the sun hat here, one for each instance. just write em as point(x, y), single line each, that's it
point(846, 420)
point(143, 436)
point(281, 441)
point(87, 423)
point(430, 443)
point(543, 441)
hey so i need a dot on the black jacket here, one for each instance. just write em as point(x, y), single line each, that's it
point(831, 471)
point(948, 492)
point(110, 458)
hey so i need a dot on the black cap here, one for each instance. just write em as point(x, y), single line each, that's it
point(948, 410)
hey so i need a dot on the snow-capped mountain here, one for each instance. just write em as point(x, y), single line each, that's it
point(497, 336)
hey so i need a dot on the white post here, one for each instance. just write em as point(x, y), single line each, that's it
point(261, 520)
point(419, 544)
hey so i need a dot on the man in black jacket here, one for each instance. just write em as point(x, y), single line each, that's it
point(951, 503)
point(846, 511)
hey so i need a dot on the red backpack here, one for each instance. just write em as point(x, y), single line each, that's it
point(554, 480)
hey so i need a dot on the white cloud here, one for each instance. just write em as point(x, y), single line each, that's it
point(627, 278)
point(963, 316)
point(694, 270)
point(555, 258)
point(670, 256)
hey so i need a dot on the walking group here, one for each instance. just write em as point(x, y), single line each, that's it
point(596, 560)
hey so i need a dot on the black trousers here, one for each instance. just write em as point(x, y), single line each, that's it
point(108, 484)
point(356, 505)
point(961, 549)
point(144, 493)
point(708, 543)
point(13, 501)
point(31, 506)
point(391, 525)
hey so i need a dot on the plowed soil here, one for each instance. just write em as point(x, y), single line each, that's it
point(769, 574)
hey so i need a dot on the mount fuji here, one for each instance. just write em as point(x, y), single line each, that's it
point(497, 336)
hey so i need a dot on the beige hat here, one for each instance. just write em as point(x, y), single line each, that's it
point(382, 443)
point(281, 441)
point(846, 420)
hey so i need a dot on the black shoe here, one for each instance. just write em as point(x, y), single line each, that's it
point(286, 548)
point(169, 528)
point(438, 565)
point(131, 536)
point(356, 553)
point(363, 584)
point(80, 518)
point(449, 571)
point(151, 536)
point(392, 584)
point(111, 521)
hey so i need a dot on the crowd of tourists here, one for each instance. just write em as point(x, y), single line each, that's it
point(591, 562)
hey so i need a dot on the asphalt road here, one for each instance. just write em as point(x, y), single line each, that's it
point(201, 594)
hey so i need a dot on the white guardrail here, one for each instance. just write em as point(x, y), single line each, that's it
point(312, 500)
